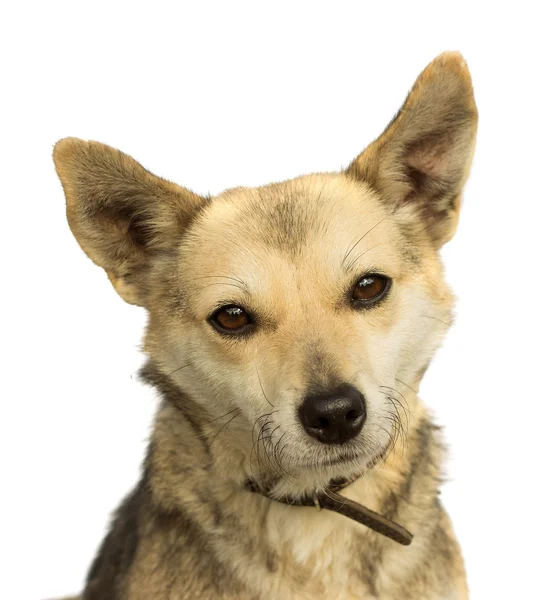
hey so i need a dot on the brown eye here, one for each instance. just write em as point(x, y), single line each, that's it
point(370, 288)
point(230, 319)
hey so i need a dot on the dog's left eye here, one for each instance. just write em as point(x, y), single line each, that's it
point(370, 288)
point(230, 319)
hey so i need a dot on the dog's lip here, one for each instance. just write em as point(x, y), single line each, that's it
point(354, 456)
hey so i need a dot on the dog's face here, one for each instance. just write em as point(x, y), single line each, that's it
point(291, 315)
point(301, 303)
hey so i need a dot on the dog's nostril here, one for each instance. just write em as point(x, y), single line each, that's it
point(334, 417)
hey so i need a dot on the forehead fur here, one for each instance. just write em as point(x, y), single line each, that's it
point(319, 227)
point(286, 216)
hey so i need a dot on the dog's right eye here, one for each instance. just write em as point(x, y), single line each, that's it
point(231, 319)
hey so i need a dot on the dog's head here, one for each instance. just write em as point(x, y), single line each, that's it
point(294, 316)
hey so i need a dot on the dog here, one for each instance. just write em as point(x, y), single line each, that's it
point(289, 328)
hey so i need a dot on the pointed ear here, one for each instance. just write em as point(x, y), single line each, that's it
point(422, 158)
point(121, 215)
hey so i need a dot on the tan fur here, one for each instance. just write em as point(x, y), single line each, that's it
point(288, 253)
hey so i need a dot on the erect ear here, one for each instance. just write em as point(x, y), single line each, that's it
point(120, 214)
point(423, 157)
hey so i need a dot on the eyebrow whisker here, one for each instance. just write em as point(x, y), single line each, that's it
point(218, 277)
point(357, 242)
point(356, 258)
point(223, 283)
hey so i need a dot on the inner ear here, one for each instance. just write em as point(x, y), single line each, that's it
point(423, 157)
point(427, 168)
point(128, 225)
point(430, 156)
point(121, 214)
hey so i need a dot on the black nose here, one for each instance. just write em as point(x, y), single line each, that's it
point(334, 417)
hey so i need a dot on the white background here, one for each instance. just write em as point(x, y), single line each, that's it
point(214, 96)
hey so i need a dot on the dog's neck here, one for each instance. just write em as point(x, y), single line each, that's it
point(330, 499)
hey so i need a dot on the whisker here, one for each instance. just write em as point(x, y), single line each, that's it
point(254, 449)
point(395, 391)
point(437, 319)
point(217, 277)
point(262, 438)
point(227, 413)
point(396, 405)
point(262, 388)
point(407, 407)
point(277, 458)
point(258, 419)
point(223, 283)
point(356, 258)
point(346, 255)
point(224, 426)
point(404, 383)
point(400, 433)
point(168, 375)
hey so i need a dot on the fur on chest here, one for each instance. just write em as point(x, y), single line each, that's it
point(303, 552)
point(319, 554)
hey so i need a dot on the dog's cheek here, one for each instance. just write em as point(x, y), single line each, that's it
point(385, 350)
point(419, 333)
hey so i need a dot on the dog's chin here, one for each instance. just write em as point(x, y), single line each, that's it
point(343, 460)
point(345, 465)
point(350, 460)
